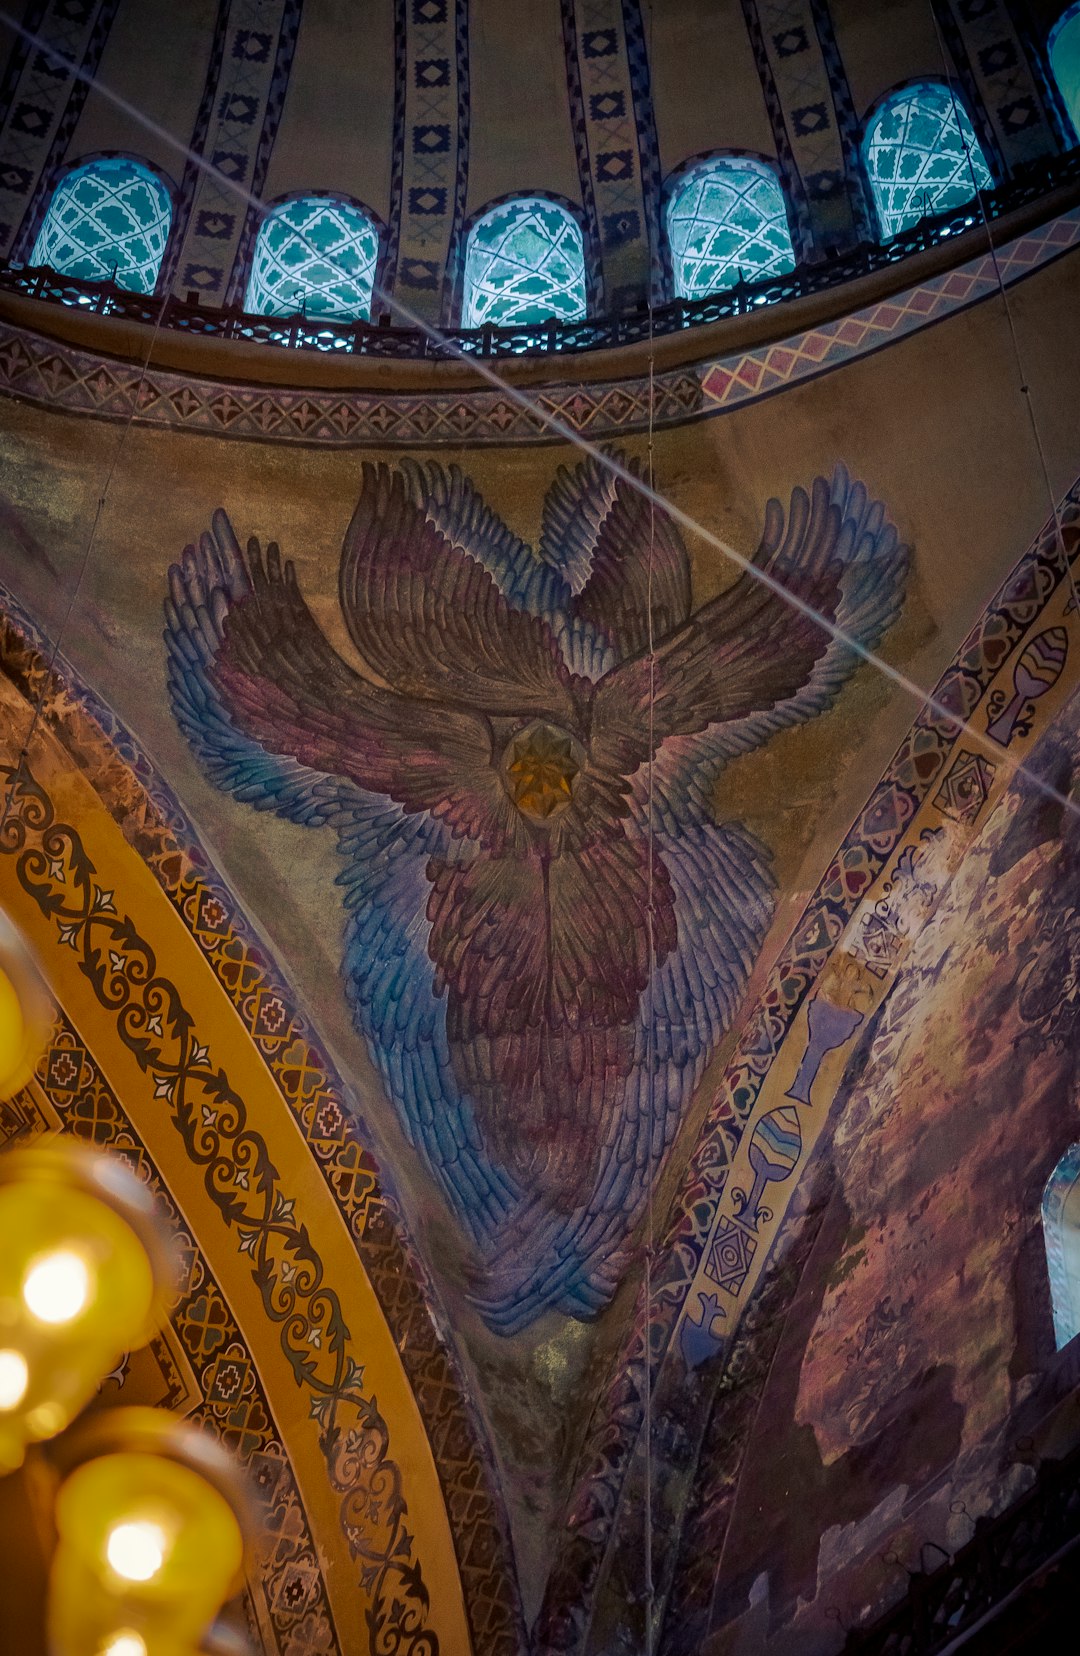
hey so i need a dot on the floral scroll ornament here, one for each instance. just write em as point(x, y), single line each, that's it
point(548, 929)
point(53, 867)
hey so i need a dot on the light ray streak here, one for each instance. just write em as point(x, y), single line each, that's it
point(506, 388)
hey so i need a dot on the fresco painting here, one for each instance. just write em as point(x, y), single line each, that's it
point(550, 921)
point(912, 1288)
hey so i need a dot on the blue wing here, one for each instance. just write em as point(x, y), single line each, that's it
point(723, 889)
point(209, 579)
point(389, 977)
point(390, 985)
point(541, 583)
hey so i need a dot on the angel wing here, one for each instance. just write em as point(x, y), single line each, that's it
point(247, 664)
point(720, 874)
point(258, 692)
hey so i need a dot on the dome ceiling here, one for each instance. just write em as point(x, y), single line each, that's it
point(599, 1036)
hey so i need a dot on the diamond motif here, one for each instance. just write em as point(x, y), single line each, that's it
point(730, 1256)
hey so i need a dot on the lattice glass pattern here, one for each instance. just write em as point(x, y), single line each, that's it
point(726, 220)
point(1064, 43)
point(917, 153)
point(315, 255)
point(525, 263)
point(107, 220)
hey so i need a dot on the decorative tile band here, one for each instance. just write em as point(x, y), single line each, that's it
point(806, 94)
point(802, 233)
point(235, 131)
point(43, 99)
point(256, 1204)
point(838, 964)
point(997, 75)
point(232, 1403)
point(130, 788)
point(615, 139)
point(54, 375)
point(431, 151)
point(863, 217)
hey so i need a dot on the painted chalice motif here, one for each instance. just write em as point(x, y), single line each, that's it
point(489, 781)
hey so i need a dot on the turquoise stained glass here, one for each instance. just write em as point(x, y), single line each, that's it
point(316, 255)
point(1064, 46)
point(525, 263)
point(922, 156)
point(727, 221)
point(107, 220)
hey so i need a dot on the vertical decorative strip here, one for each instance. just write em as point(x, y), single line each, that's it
point(1007, 105)
point(615, 138)
point(813, 122)
point(234, 131)
point(849, 127)
point(431, 151)
point(43, 100)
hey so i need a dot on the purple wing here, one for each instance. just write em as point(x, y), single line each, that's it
point(253, 683)
point(722, 899)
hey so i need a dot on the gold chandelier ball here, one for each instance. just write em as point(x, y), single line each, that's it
point(25, 1010)
point(85, 1275)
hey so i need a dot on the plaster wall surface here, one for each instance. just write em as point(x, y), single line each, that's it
point(706, 90)
point(156, 59)
point(344, 142)
point(519, 104)
point(886, 43)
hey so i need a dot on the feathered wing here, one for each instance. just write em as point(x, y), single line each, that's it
point(713, 697)
point(427, 615)
point(622, 554)
point(278, 720)
point(537, 582)
point(834, 544)
point(209, 580)
point(836, 523)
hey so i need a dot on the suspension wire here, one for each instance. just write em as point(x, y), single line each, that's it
point(559, 427)
point(1025, 390)
point(650, 1043)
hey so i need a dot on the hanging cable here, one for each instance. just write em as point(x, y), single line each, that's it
point(650, 1039)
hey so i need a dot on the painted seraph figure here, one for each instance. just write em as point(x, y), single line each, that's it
point(523, 954)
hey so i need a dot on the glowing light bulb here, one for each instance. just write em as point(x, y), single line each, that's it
point(124, 1644)
point(57, 1286)
point(14, 1379)
point(136, 1551)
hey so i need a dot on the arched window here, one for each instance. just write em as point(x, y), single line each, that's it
point(727, 221)
point(1061, 1235)
point(108, 220)
point(922, 156)
point(1064, 48)
point(524, 263)
point(316, 255)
